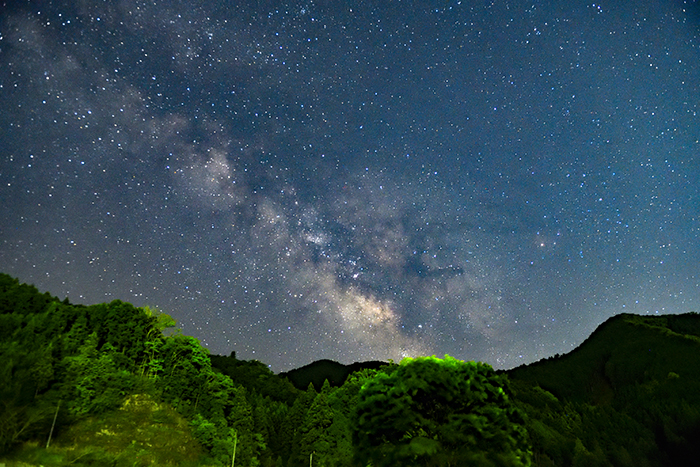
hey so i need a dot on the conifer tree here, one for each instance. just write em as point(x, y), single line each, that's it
point(295, 420)
point(315, 435)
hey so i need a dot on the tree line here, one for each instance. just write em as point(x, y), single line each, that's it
point(628, 396)
point(63, 363)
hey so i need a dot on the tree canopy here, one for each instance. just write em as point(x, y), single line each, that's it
point(438, 412)
point(112, 388)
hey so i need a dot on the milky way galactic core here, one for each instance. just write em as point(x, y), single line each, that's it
point(356, 180)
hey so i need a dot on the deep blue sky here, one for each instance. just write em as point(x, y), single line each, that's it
point(356, 180)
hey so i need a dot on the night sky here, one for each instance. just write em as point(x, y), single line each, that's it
point(356, 180)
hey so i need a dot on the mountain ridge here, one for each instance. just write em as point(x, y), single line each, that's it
point(613, 355)
point(319, 371)
point(629, 395)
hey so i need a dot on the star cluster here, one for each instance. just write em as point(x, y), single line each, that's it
point(356, 180)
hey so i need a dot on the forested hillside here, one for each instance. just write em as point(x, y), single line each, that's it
point(104, 385)
point(629, 395)
point(113, 384)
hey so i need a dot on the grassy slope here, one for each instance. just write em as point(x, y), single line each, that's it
point(142, 433)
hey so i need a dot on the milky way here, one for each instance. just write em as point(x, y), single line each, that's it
point(355, 181)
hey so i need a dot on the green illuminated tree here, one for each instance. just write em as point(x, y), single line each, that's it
point(434, 412)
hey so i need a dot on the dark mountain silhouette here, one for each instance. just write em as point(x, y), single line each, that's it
point(319, 371)
point(626, 350)
point(628, 393)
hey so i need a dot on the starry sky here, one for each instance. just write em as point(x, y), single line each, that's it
point(356, 180)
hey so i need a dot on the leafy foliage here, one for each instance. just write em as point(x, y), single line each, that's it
point(126, 391)
point(256, 376)
point(439, 412)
